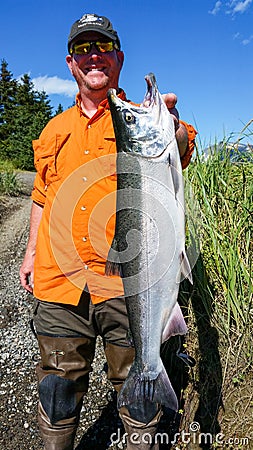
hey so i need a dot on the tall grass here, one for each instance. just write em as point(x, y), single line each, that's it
point(220, 217)
point(9, 184)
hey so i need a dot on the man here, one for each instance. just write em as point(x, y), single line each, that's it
point(72, 226)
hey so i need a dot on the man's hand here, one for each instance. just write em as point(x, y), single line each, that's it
point(26, 271)
point(170, 100)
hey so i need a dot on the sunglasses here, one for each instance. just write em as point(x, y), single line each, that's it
point(85, 47)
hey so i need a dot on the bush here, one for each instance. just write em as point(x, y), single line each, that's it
point(9, 184)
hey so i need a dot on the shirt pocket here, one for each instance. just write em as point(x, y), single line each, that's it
point(108, 151)
point(49, 157)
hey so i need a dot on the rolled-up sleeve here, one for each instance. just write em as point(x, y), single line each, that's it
point(38, 192)
point(192, 133)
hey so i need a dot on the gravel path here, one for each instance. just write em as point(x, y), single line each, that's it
point(19, 351)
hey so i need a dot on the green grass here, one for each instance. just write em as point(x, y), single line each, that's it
point(220, 217)
point(9, 185)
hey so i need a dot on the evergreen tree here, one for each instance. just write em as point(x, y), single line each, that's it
point(8, 90)
point(32, 113)
point(24, 113)
point(59, 109)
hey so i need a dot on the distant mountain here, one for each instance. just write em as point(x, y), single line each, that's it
point(236, 152)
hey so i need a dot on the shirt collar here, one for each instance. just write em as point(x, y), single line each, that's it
point(104, 104)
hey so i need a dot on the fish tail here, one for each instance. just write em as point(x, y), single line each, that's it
point(139, 388)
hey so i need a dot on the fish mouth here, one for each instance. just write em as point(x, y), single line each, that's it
point(151, 95)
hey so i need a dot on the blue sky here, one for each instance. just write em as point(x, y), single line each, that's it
point(200, 49)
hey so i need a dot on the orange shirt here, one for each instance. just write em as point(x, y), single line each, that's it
point(75, 159)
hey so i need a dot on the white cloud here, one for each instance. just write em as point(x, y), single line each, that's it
point(216, 8)
point(55, 85)
point(238, 6)
point(237, 35)
point(241, 6)
point(231, 7)
point(247, 41)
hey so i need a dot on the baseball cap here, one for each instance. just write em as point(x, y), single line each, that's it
point(92, 22)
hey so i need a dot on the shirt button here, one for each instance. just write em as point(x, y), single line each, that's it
point(84, 178)
point(89, 126)
point(84, 239)
point(83, 208)
point(85, 267)
point(86, 152)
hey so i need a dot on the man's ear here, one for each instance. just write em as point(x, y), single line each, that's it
point(121, 57)
point(69, 63)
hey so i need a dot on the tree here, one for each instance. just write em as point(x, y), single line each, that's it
point(8, 91)
point(32, 113)
point(26, 112)
point(59, 109)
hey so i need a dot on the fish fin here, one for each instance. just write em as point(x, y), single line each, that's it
point(185, 268)
point(112, 265)
point(176, 324)
point(140, 390)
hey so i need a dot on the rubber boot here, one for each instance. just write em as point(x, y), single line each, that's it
point(119, 361)
point(63, 376)
point(140, 436)
point(60, 436)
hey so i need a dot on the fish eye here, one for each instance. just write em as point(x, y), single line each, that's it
point(129, 117)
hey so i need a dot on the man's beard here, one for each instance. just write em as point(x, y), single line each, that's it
point(97, 85)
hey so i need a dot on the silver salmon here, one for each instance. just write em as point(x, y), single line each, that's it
point(149, 243)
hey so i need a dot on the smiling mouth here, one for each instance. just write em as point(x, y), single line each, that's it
point(95, 69)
